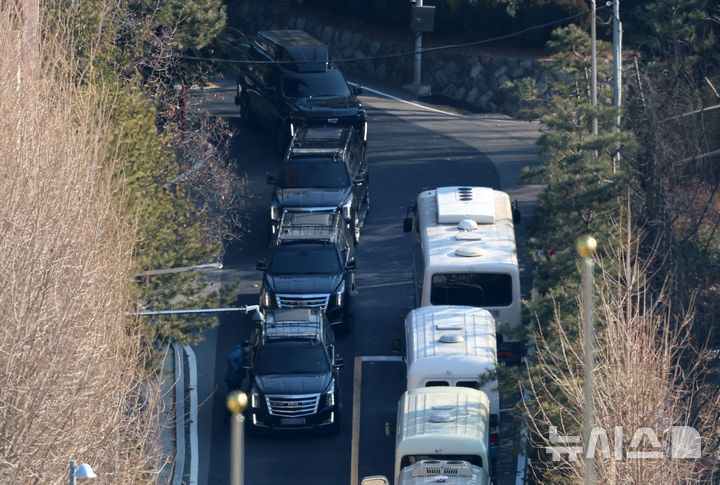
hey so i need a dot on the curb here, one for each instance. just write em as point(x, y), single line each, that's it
point(179, 464)
point(185, 468)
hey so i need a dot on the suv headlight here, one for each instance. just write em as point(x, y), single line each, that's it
point(254, 398)
point(266, 298)
point(347, 209)
point(330, 395)
point(339, 295)
point(274, 211)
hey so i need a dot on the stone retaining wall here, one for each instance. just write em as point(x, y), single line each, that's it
point(472, 79)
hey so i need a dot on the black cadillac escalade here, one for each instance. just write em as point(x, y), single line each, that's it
point(325, 169)
point(288, 83)
point(311, 264)
point(295, 373)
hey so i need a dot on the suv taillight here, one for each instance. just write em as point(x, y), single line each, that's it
point(505, 355)
point(494, 439)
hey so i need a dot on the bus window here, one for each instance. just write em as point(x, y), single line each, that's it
point(408, 460)
point(470, 384)
point(437, 384)
point(471, 289)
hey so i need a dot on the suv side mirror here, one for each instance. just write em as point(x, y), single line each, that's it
point(516, 215)
point(339, 362)
point(407, 224)
point(359, 179)
point(352, 264)
point(358, 90)
point(260, 264)
point(270, 180)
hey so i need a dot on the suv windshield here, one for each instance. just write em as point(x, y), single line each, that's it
point(308, 84)
point(316, 173)
point(291, 357)
point(304, 259)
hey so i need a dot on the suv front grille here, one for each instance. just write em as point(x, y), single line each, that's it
point(293, 406)
point(303, 301)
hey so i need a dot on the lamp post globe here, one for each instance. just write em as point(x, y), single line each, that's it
point(586, 246)
point(236, 402)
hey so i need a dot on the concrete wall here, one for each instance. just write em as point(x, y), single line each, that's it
point(473, 79)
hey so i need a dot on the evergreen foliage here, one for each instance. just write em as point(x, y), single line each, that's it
point(195, 23)
point(171, 230)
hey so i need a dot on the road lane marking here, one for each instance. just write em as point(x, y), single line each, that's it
point(355, 447)
point(357, 386)
point(381, 358)
point(390, 283)
point(435, 110)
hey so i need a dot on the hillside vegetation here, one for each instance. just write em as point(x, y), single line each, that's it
point(74, 382)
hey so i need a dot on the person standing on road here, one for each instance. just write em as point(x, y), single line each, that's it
point(236, 371)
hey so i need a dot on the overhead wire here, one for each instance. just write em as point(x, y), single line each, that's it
point(406, 53)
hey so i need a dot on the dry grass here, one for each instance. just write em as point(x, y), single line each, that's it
point(71, 379)
point(646, 375)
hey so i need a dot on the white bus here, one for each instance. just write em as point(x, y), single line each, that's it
point(465, 254)
point(441, 424)
point(454, 346)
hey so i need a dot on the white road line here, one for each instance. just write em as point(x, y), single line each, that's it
point(355, 444)
point(381, 358)
point(357, 387)
point(179, 463)
point(435, 110)
point(192, 386)
point(390, 283)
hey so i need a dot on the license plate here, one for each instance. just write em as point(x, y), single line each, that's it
point(292, 421)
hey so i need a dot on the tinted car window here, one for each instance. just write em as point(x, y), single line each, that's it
point(408, 460)
point(313, 173)
point(472, 289)
point(291, 357)
point(306, 84)
point(304, 259)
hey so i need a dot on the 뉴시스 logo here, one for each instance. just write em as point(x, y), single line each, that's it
point(683, 442)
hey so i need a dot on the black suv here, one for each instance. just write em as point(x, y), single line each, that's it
point(300, 89)
point(325, 169)
point(295, 373)
point(311, 264)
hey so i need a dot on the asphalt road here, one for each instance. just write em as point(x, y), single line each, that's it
point(410, 148)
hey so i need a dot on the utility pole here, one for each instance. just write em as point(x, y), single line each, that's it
point(593, 65)
point(417, 67)
point(617, 64)
point(422, 19)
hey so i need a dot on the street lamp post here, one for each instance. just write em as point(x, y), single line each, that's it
point(82, 471)
point(586, 247)
point(236, 402)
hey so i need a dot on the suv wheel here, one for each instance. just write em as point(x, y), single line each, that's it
point(246, 115)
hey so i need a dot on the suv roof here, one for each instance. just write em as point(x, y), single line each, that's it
point(303, 52)
point(321, 140)
point(294, 323)
point(304, 226)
